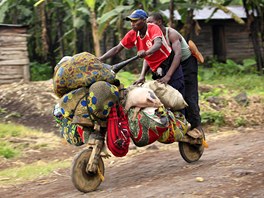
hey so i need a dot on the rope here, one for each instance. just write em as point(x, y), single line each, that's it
point(100, 174)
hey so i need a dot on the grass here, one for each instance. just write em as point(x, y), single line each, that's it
point(250, 83)
point(7, 151)
point(14, 130)
point(28, 172)
point(14, 139)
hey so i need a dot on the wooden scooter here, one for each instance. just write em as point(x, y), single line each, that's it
point(87, 171)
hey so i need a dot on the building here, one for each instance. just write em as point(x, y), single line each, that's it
point(14, 62)
point(221, 36)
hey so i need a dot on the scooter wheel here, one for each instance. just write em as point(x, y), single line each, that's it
point(190, 152)
point(83, 181)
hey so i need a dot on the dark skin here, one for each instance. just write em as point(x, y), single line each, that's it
point(175, 41)
point(140, 26)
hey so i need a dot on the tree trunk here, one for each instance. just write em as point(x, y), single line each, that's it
point(95, 34)
point(257, 47)
point(171, 17)
point(255, 28)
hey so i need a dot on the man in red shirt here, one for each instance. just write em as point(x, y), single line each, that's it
point(152, 46)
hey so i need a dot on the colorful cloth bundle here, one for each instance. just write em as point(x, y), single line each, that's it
point(150, 125)
point(177, 128)
point(118, 132)
point(88, 105)
point(73, 133)
point(147, 127)
point(80, 70)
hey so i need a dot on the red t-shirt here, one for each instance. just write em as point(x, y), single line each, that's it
point(154, 60)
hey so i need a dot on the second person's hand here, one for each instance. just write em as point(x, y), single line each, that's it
point(164, 80)
point(141, 80)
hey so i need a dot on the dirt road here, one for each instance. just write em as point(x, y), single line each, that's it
point(232, 166)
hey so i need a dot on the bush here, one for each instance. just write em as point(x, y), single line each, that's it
point(213, 118)
point(39, 72)
point(232, 68)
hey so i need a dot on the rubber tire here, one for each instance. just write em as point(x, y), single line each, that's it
point(83, 181)
point(191, 152)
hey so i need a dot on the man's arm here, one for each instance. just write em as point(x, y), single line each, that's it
point(174, 38)
point(156, 46)
point(112, 52)
point(143, 73)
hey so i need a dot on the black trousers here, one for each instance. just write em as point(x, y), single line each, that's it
point(190, 71)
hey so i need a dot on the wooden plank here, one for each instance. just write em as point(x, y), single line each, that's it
point(6, 49)
point(12, 52)
point(8, 81)
point(8, 77)
point(10, 70)
point(17, 30)
point(26, 73)
point(13, 56)
point(16, 37)
point(15, 45)
point(15, 62)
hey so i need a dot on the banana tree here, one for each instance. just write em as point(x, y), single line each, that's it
point(93, 21)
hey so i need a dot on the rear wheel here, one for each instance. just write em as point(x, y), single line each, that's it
point(190, 152)
point(83, 181)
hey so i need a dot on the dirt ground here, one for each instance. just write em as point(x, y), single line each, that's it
point(232, 166)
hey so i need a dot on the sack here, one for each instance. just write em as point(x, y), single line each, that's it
point(118, 133)
point(80, 70)
point(84, 106)
point(73, 133)
point(170, 97)
point(177, 129)
point(148, 125)
point(141, 97)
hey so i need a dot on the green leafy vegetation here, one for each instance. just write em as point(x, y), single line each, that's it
point(213, 117)
point(14, 139)
point(240, 122)
point(236, 77)
point(30, 171)
point(126, 78)
point(40, 71)
point(214, 92)
point(7, 151)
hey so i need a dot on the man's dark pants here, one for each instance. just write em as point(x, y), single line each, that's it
point(190, 71)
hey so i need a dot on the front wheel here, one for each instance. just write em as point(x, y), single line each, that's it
point(83, 181)
point(190, 152)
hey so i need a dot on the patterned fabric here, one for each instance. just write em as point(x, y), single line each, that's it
point(102, 96)
point(147, 127)
point(177, 128)
point(85, 106)
point(73, 133)
point(81, 70)
point(118, 132)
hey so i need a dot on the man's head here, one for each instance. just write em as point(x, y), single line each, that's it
point(155, 18)
point(138, 19)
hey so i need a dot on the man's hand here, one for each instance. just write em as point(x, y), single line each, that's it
point(142, 53)
point(164, 80)
point(141, 80)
